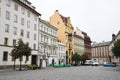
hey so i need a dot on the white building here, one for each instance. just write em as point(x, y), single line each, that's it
point(61, 53)
point(18, 19)
point(47, 43)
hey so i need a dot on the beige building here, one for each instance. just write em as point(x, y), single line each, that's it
point(114, 38)
point(87, 44)
point(65, 33)
point(78, 42)
point(100, 51)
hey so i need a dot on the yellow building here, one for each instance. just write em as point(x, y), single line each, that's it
point(65, 33)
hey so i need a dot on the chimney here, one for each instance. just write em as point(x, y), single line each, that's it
point(113, 36)
point(56, 11)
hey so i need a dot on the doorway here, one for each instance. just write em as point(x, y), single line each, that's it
point(34, 60)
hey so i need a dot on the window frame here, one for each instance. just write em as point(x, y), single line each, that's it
point(7, 15)
point(22, 21)
point(28, 34)
point(7, 28)
point(5, 56)
point(14, 42)
point(22, 32)
point(15, 18)
point(15, 30)
point(8, 3)
point(16, 7)
point(5, 41)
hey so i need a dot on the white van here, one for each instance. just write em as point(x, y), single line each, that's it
point(88, 62)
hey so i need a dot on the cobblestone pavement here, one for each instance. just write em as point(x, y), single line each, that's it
point(70, 73)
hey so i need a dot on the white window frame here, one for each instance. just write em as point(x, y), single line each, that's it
point(34, 46)
point(35, 36)
point(35, 27)
point(22, 21)
point(28, 23)
point(7, 28)
point(15, 30)
point(8, 3)
point(28, 13)
point(22, 32)
point(15, 18)
point(14, 42)
point(7, 15)
point(28, 34)
point(23, 10)
point(16, 7)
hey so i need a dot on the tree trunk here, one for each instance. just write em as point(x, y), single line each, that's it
point(20, 63)
point(14, 65)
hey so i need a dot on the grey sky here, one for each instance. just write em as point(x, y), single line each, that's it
point(99, 18)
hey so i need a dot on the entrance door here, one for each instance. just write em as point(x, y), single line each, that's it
point(34, 59)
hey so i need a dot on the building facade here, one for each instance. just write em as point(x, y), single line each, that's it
point(61, 53)
point(78, 44)
point(65, 33)
point(18, 19)
point(100, 51)
point(87, 43)
point(48, 46)
point(112, 57)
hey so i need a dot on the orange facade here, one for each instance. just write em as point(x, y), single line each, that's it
point(65, 33)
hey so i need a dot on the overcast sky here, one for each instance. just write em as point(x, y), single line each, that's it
point(98, 18)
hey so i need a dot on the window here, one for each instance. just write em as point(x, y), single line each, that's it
point(47, 29)
point(5, 41)
point(15, 18)
point(34, 46)
point(8, 3)
point(16, 7)
point(35, 27)
point(8, 15)
point(5, 56)
point(41, 37)
point(34, 36)
point(7, 28)
point(58, 22)
point(23, 10)
point(44, 28)
point(28, 14)
point(14, 30)
point(41, 27)
point(14, 42)
point(28, 34)
point(35, 18)
point(22, 32)
point(28, 23)
point(22, 21)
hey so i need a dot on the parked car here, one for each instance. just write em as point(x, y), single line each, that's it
point(95, 64)
point(109, 64)
point(88, 62)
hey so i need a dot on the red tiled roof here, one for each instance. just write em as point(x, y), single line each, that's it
point(64, 18)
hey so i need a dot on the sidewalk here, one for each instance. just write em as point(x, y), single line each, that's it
point(1, 70)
